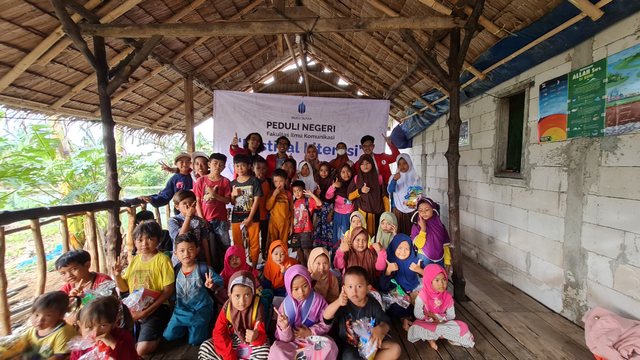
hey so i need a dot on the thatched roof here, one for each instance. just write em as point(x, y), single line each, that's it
point(43, 72)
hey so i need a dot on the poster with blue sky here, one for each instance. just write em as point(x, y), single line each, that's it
point(623, 92)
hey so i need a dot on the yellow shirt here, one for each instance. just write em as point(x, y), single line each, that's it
point(51, 344)
point(281, 207)
point(154, 274)
point(421, 239)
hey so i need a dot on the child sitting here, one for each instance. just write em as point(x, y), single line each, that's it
point(342, 205)
point(98, 320)
point(356, 219)
point(239, 331)
point(74, 266)
point(388, 229)
point(179, 181)
point(280, 206)
point(355, 301)
point(300, 316)
point(324, 282)
point(50, 333)
point(277, 264)
point(152, 271)
point(429, 235)
point(369, 192)
point(213, 193)
point(245, 198)
point(435, 312)
point(323, 233)
point(235, 260)
point(188, 222)
point(166, 244)
point(193, 308)
point(301, 240)
point(355, 252)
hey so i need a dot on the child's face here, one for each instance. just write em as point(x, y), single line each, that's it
point(386, 226)
point(324, 171)
point(356, 288)
point(321, 264)
point(305, 170)
point(201, 166)
point(94, 330)
point(367, 147)
point(360, 242)
point(403, 166)
point(282, 146)
point(279, 182)
point(186, 252)
point(439, 283)
point(234, 261)
point(241, 168)
point(365, 166)
point(356, 221)
point(146, 245)
point(345, 173)
point(300, 288)
point(183, 164)
point(73, 273)
point(425, 210)
point(253, 142)
point(261, 170)
point(288, 167)
point(184, 205)
point(298, 192)
point(46, 319)
point(217, 166)
point(241, 297)
point(403, 251)
point(278, 255)
point(312, 153)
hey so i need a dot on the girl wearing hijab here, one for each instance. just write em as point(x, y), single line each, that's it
point(305, 174)
point(323, 233)
point(323, 281)
point(235, 260)
point(388, 229)
point(311, 157)
point(300, 315)
point(356, 219)
point(276, 266)
point(434, 312)
point(369, 192)
point(357, 252)
point(430, 236)
point(404, 181)
point(343, 207)
point(239, 331)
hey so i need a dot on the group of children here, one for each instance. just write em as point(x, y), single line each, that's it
point(335, 242)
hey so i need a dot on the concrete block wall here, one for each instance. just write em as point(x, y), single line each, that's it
point(568, 232)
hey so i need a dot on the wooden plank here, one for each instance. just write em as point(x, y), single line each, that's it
point(188, 114)
point(481, 299)
point(176, 350)
point(400, 336)
point(64, 233)
point(486, 343)
point(92, 240)
point(192, 353)
point(5, 320)
point(41, 278)
point(131, 214)
point(573, 331)
point(157, 216)
point(456, 352)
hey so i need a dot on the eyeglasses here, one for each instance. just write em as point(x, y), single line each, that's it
point(283, 143)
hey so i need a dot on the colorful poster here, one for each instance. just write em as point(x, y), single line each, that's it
point(552, 117)
point(623, 92)
point(586, 105)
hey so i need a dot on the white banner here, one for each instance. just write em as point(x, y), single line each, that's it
point(304, 120)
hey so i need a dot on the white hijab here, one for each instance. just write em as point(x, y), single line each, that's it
point(309, 181)
point(408, 179)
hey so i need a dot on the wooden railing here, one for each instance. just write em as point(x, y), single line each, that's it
point(51, 215)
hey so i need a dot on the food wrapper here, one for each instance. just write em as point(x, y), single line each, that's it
point(98, 349)
point(10, 346)
point(105, 288)
point(140, 299)
point(362, 328)
point(413, 195)
point(396, 296)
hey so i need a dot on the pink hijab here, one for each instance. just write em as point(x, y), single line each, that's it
point(308, 311)
point(611, 336)
point(435, 302)
point(227, 271)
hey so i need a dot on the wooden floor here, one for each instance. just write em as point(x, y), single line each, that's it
point(506, 324)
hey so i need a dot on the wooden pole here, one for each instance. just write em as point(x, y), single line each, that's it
point(5, 314)
point(41, 278)
point(588, 8)
point(167, 213)
point(131, 213)
point(102, 256)
point(293, 55)
point(64, 233)
point(303, 58)
point(157, 215)
point(188, 114)
point(92, 240)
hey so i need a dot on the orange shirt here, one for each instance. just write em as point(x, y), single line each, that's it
point(281, 206)
point(266, 193)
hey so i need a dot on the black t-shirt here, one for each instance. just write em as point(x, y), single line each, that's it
point(347, 314)
point(250, 189)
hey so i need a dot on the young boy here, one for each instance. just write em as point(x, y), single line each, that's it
point(245, 198)
point(275, 161)
point(50, 333)
point(179, 181)
point(200, 163)
point(188, 222)
point(289, 166)
point(193, 305)
point(166, 244)
point(213, 193)
point(260, 171)
point(74, 269)
point(302, 227)
point(354, 300)
point(280, 205)
point(151, 270)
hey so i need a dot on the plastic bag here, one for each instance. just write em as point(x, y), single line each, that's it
point(105, 288)
point(414, 193)
point(10, 346)
point(312, 346)
point(140, 299)
point(362, 328)
point(396, 296)
point(98, 349)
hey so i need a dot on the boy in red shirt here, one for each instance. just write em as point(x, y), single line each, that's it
point(213, 193)
point(302, 227)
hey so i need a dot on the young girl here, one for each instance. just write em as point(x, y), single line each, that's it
point(305, 174)
point(324, 281)
point(342, 205)
point(399, 186)
point(358, 253)
point(98, 321)
point(311, 157)
point(403, 267)
point(277, 264)
point(356, 219)
point(239, 331)
point(323, 233)
point(300, 316)
point(369, 192)
point(434, 312)
point(388, 229)
point(429, 235)
point(235, 259)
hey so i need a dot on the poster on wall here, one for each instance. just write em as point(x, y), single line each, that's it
point(464, 133)
point(600, 99)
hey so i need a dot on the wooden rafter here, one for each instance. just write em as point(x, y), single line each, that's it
point(293, 55)
point(303, 60)
point(486, 23)
point(588, 8)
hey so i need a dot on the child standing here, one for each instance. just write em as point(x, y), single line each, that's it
point(300, 316)
point(277, 264)
point(289, 166)
point(193, 308)
point(260, 170)
point(306, 175)
point(323, 233)
point(74, 266)
point(357, 252)
point(180, 181)
point(342, 205)
point(429, 234)
point(280, 205)
point(399, 186)
point(354, 304)
point(369, 192)
point(324, 282)
point(275, 161)
point(151, 270)
point(435, 312)
point(245, 198)
point(188, 222)
point(213, 193)
point(97, 321)
point(50, 333)
point(301, 240)
point(239, 331)
point(388, 229)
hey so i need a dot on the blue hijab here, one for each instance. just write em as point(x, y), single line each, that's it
point(405, 277)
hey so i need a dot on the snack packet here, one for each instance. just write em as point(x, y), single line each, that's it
point(362, 328)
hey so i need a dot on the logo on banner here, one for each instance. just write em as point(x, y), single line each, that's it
point(302, 108)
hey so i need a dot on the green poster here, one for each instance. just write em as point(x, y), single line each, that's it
point(586, 103)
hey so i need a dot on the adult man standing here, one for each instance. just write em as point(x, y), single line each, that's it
point(382, 160)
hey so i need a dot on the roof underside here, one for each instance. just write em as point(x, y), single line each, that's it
point(61, 82)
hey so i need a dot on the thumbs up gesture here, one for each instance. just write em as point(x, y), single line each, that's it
point(417, 268)
point(234, 142)
point(252, 335)
point(236, 192)
point(365, 189)
point(343, 298)
point(377, 247)
point(391, 267)
point(344, 245)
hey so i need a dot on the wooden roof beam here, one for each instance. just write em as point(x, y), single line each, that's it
point(486, 23)
point(593, 11)
point(285, 63)
point(293, 55)
point(249, 59)
point(245, 28)
point(335, 86)
point(303, 59)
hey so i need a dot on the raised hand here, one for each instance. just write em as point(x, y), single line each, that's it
point(386, 139)
point(191, 209)
point(343, 298)
point(212, 190)
point(336, 184)
point(423, 224)
point(416, 267)
point(208, 283)
point(394, 229)
point(252, 335)
point(307, 192)
point(377, 247)
point(302, 332)
point(78, 290)
point(365, 189)
point(234, 141)
point(344, 245)
point(165, 167)
point(396, 177)
point(116, 269)
point(283, 320)
point(236, 191)
point(107, 339)
point(277, 191)
point(391, 267)
point(316, 275)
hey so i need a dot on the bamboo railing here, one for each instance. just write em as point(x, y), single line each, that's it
point(62, 214)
